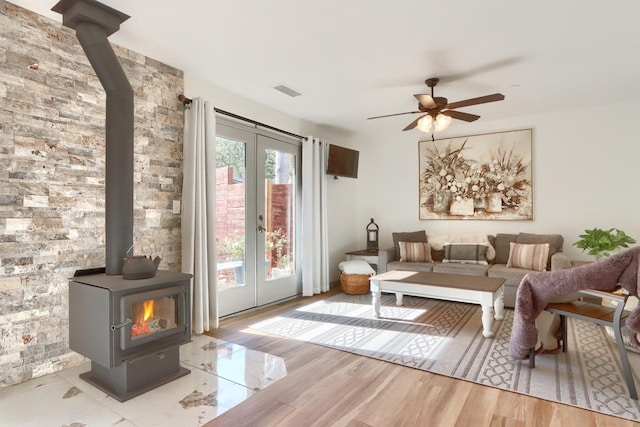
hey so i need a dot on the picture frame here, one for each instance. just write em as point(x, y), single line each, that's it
point(482, 177)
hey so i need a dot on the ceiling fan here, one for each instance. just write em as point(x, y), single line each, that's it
point(438, 110)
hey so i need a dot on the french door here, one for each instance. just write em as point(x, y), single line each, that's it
point(257, 218)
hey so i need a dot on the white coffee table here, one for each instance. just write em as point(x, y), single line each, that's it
point(482, 290)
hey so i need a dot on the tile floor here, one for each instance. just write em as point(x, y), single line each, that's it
point(222, 375)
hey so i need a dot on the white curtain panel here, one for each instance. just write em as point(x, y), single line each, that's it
point(315, 252)
point(198, 213)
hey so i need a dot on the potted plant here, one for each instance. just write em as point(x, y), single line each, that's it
point(277, 247)
point(601, 242)
point(232, 248)
point(232, 251)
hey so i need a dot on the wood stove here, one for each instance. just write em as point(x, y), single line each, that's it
point(130, 329)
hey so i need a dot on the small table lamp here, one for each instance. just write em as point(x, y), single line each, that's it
point(372, 235)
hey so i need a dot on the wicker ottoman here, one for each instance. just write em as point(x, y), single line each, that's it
point(354, 284)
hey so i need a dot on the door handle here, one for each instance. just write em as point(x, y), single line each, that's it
point(261, 229)
point(121, 324)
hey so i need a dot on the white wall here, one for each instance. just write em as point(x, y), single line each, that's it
point(586, 174)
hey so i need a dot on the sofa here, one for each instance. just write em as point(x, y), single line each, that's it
point(490, 256)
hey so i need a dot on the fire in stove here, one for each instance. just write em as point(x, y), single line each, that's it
point(152, 316)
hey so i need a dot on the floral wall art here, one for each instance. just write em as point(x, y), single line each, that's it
point(477, 177)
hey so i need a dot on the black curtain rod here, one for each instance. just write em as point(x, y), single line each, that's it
point(186, 101)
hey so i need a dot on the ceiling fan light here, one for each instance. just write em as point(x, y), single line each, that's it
point(425, 123)
point(442, 122)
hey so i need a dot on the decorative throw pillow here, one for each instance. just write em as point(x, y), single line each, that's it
point(466, 253)
point(503, 247)
point(531, 257)
point(555, 242)
point(412, 236)
point(437, 242)
point(415, 252)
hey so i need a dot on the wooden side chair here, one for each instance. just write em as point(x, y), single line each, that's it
point(600, 314)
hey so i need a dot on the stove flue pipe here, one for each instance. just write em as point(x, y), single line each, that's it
point(94, 22)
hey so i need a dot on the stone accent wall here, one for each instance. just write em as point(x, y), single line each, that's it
point(52, 181)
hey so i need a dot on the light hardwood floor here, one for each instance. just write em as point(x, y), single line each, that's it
point(327, 387)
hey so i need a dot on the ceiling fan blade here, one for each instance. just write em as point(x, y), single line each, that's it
point(460, 115)
point(440, 58)
point(396, 114)
point(426, 100)
point(414, 123)
point(474, 101)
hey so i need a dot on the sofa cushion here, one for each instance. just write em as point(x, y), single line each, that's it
point(467, 253)
point(437, 242)
point(513, 278)
point(555, 242)
point(512, 275)
point(410, 266)
point(532, 257)
point(437, 255)
point(414, 252)
point(502, 246)
point(413, 236)
point(459, 268)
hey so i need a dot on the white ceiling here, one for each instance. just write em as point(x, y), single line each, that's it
point(352, 59)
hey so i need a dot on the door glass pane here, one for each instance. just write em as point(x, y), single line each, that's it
point(230, 212)
point(280, 194)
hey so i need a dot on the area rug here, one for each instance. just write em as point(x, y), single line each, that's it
point(446, 338)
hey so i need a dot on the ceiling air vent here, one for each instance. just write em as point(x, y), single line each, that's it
point(287, 90)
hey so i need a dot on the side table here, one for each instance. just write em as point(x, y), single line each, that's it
point(368, 255)
point(587, 297)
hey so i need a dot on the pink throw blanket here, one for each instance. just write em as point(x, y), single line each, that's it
point(537, 289)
